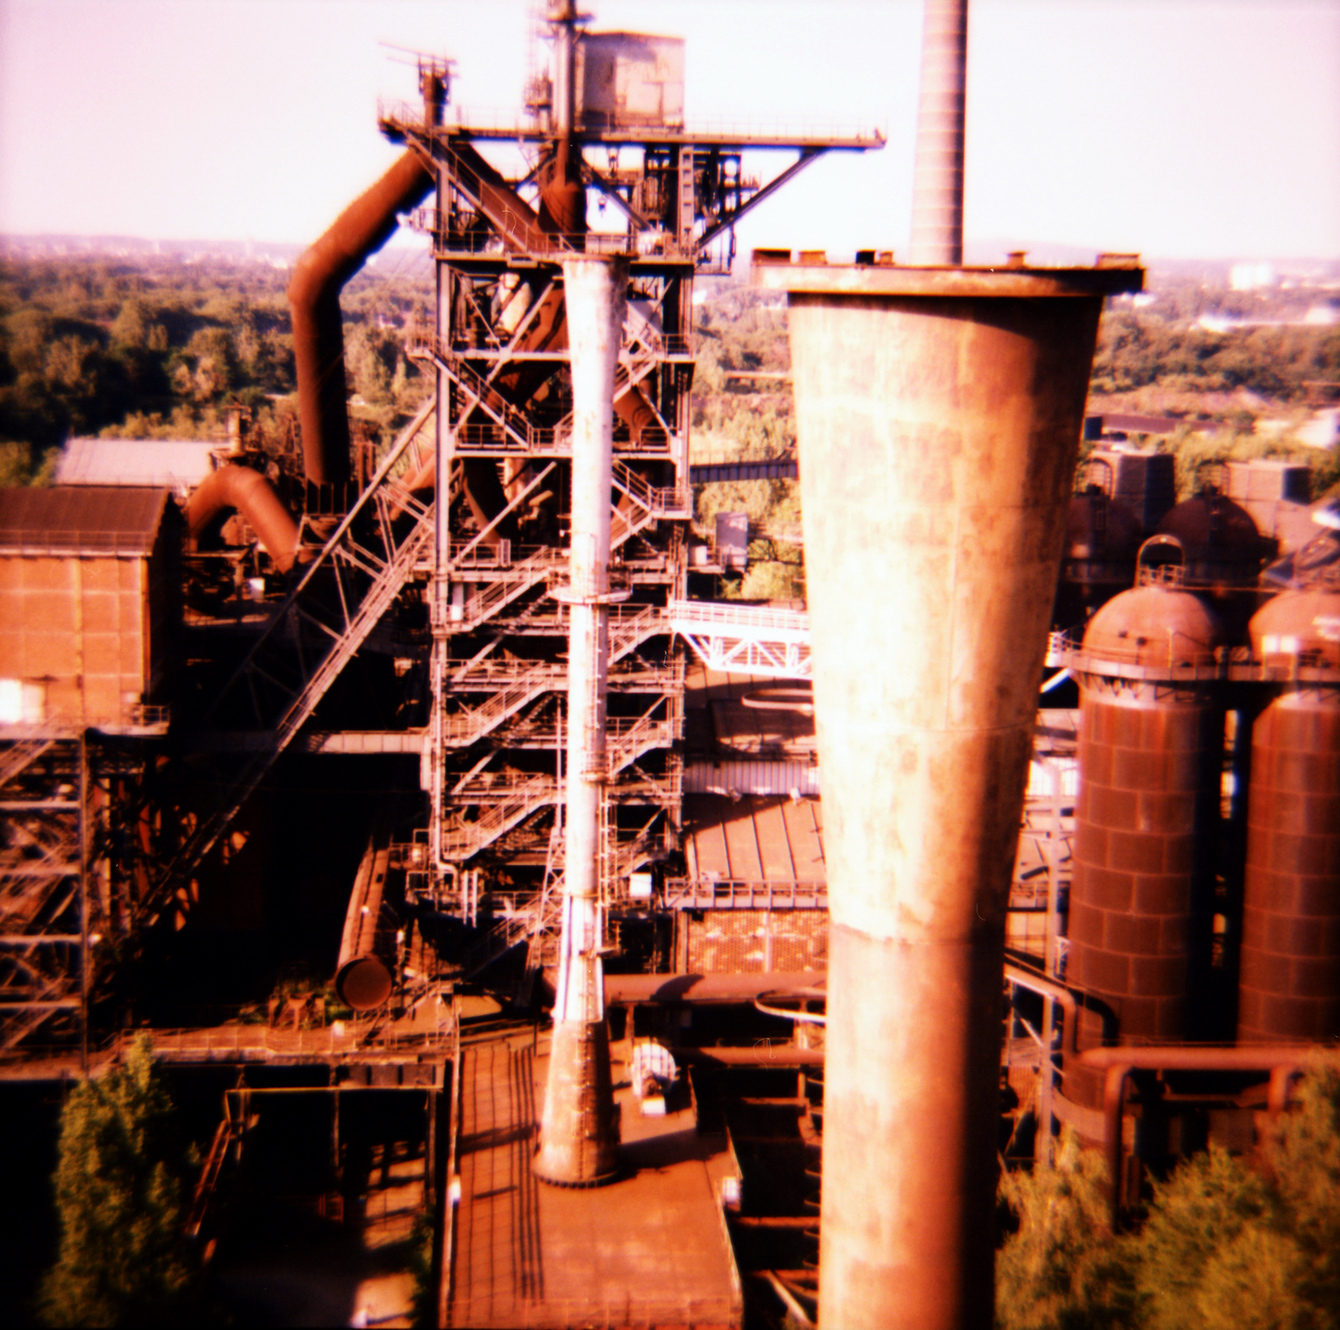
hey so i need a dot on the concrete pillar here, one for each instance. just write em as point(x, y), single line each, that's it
point(578, 1134)
point(938, 416)
point(937, 178)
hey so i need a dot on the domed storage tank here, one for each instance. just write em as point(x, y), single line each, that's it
point(1222, 554)
point(1150, 751)
point(1102, 536)
point(1289, 980)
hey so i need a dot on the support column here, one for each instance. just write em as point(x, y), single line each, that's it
point(938, 416)
point(578, 1134)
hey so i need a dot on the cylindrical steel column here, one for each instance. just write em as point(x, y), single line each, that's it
point(1289, 986)
point(938, 416)
point(1146, 819)
point(937, 180)
point(578, 1134)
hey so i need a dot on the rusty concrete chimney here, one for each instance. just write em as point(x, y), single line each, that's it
point(937, 181)
point(939, 415)
point(578, 1133)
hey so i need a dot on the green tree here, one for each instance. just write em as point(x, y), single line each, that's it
point(1225, 1246)
point(119, 1186)
point(1061, 1270)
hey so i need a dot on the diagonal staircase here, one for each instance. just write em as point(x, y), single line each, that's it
point(307, 642)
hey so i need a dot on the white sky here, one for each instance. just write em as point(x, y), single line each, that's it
point(1177, 128)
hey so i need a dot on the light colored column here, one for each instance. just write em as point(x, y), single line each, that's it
point(937, 179)
point(938, 416)
point(578, 1135)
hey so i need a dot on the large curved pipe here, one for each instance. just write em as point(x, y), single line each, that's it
point(1282, 1061)
point(314, 301)
point(365, 971)
point(254, 497)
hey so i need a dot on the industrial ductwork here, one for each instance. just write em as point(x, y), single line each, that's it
point(254, 497)
point(314, 300)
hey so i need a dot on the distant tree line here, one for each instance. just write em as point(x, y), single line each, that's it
point(160, 348)
point(1137, 350)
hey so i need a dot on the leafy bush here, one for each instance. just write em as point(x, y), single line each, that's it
point(1223, 1246)
point(119, 1191)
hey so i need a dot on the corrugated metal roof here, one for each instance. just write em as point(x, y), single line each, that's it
point(81, 519)
point(176, 463)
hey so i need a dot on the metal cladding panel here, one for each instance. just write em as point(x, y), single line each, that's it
point(1139, 903)
point(1289, 985)
point(81, 519)
point(173, 463)
point(756, 941)
point(629, 78)
point(76, 567)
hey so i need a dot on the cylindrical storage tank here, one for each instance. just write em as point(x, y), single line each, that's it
point(1221, 556)
point(1289, 980)
point(1102, 536)
point(938, 415)
point(1150, 753)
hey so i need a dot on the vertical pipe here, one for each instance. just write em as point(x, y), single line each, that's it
point(937, 181)
point(443, 450)
point(938, 417)
point(578, 1136)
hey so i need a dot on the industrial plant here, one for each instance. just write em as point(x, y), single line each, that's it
point(678, 960)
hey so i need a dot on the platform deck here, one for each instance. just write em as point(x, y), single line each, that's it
point(649, 1249)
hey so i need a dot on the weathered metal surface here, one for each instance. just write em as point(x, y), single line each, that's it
point(363, 972)
point(649, 1249)
point(938, 418)
point(88, 594)
point(162, 463)
point(1289, 984)
point(252, 495)
point(314, 301)
point(85, 519)
point(578, 1134)
point(1148, 808)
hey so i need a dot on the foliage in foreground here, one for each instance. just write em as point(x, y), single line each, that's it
point(123, 1259)
point(1224, 1246)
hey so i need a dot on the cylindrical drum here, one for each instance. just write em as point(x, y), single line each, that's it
point(1150, 750)
point(1289, 984)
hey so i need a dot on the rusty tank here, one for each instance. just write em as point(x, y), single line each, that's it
point(1289, 979)
point(1150, 745)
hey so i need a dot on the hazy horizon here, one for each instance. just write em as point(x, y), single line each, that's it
point(1198, 130)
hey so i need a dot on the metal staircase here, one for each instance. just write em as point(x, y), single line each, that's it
point(309, 639)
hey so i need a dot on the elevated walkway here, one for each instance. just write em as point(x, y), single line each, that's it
point(650, 1249)
point(745, 639)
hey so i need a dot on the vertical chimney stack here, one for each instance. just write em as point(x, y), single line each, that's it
point(937, 181)
point(578, 1134)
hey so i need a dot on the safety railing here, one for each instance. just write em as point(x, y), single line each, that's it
point(702, 893)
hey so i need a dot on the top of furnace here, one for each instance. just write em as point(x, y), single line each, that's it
point(876, 274)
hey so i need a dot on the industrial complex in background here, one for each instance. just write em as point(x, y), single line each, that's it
point(464, 722)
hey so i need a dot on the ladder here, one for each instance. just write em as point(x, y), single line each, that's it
point(284, 677)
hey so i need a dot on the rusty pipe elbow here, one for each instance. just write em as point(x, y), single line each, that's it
point(252, 495)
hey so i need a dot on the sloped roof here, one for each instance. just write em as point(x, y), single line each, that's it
point(175, 463)
point(81, 519)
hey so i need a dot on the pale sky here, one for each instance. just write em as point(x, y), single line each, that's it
point(1176, 128)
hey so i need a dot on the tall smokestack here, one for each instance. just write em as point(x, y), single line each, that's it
point(937, 181)
point(938, 416)
point(578, 1134)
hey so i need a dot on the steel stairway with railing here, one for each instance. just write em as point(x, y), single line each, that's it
point(367, 560)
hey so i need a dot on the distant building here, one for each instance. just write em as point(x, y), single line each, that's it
point(1252, 276)
point(89, 587)
point(176, 464)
